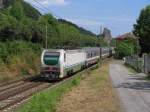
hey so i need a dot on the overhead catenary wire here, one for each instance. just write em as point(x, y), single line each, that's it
point(45, 9)
point(39, 8)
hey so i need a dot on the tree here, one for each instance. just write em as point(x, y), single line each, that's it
point(125, 48)
point(29, 11)
point(142, 29)
point(17, 10)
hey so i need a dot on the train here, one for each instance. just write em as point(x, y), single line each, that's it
point(60, 63)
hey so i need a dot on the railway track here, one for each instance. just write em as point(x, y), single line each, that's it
point(12, 102)
point(16, 91)
point(14, 94)
point(16, 81)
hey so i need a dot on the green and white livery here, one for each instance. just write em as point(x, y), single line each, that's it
point(60, 63)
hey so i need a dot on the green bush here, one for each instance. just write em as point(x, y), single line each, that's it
point(19, 58)
point(125, 48)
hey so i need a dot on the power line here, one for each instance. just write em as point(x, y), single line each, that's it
point(43, 8)
point(46, 9)
point(38, 8)
point(41, 5)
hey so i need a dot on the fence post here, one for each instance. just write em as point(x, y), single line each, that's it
point(138, 68)
point(148, 64)
point(145, 63)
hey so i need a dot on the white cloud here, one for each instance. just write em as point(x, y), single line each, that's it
point(54, 2)
point(50, 2)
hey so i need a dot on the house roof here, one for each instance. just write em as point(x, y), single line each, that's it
point(125, 36)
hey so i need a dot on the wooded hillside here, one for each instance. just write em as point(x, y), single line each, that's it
point(20, 21)
point(22, 37)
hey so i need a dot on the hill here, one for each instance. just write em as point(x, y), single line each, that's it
point(22, 38)
point(82, 30)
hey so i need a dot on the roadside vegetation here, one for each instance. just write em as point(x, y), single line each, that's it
point(126, 47)
point(131, 69)
point(22, 38)
point(18, 59)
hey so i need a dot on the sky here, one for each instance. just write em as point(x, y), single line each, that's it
point(117, 15)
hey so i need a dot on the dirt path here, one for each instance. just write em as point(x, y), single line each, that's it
point(94, 94)
point(133, 89)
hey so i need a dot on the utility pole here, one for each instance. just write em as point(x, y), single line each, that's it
point(101, 32)
point(46, 38)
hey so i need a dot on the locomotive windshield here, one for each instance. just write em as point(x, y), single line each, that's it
point(51, 58)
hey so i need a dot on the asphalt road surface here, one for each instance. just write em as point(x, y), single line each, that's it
point(132, 89)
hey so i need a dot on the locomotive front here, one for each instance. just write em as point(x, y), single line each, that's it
point(51, 64)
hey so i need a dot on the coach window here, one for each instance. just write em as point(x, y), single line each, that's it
point(88, 56)
point(65, 57)
point(91, 55)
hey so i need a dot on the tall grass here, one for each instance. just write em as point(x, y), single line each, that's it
point(18, 58)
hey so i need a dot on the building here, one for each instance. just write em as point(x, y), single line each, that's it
point(126, 36)
point(107, 35)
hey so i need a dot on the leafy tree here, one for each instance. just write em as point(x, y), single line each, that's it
point(103, 43)
point(113, 42)
point(17, 10)
point(9, 27)
point(30, 12)
point(142, 29)
point(125, 48)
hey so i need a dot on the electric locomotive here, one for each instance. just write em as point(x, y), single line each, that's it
point(60, 63)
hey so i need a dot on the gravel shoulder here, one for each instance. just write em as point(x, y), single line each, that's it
point(94, 94)
point(133, 90)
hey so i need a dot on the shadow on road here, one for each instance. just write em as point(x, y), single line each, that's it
point(137, 83)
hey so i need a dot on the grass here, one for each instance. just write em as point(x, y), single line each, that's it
point(148, 77)
point(101, 84)
point(19, 66)
point(131, 69)
point(46, 101)
point(95, 94)
point(18, 59)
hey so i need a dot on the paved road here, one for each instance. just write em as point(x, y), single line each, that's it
point(133, 91)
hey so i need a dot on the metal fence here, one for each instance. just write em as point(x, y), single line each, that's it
point(139, 64)
point(135, 62)
point(146, 67)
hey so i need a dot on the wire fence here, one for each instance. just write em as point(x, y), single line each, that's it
point(140, 64)
point(135, 62)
